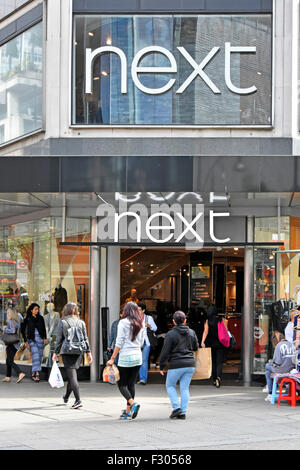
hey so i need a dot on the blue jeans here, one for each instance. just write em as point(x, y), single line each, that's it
point(268, 377)
point(184, 376)
point(143, 374)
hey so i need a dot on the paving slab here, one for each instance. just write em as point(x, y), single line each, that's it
point(33, 416)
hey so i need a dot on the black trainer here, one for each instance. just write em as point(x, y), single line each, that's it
point(77, 404)
point(181, 416)
point(175, 413)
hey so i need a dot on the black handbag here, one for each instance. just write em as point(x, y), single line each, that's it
point(106, 356)
point(9, 338)
point(152, 337)
point(232, 342)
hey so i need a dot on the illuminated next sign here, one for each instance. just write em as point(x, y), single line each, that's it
point(198, 69)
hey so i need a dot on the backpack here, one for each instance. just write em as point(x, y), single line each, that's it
point(223, 335)
point(75, 342)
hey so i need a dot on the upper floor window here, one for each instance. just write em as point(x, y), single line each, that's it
point(193, 70)
point(21, 72)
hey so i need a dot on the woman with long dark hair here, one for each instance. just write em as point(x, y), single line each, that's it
point(217, 348)
point(34, 333)
point(130, 340)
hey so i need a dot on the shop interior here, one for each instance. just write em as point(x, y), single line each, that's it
point(170, 279)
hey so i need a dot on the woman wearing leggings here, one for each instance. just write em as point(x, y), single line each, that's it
point(130, 339)
point(72, 361)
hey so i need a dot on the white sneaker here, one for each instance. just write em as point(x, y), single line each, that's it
point(268, 397)
point(266, 389)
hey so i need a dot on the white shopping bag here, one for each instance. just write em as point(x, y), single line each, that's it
point(55, 379)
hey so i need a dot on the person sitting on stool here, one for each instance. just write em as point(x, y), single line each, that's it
point(282, 362)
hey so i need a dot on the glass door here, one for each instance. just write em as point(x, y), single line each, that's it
point(264, 299)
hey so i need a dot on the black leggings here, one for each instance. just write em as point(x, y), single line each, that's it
point(217, 356)
point(72, 385)
point(128, 378)
point(10, 355)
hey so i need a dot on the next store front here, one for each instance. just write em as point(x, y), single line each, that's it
point(58, 259)
point(150, 145)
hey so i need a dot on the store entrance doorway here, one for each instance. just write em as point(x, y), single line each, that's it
point(168, 279)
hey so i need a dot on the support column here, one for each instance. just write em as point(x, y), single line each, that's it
point(94, 323)
point(113, 283)
point(248, 316)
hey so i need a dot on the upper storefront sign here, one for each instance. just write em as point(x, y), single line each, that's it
point(201, 70)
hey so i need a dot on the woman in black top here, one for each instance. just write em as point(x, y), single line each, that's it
point(217, 348)
point(34, 333)
point(178, 349)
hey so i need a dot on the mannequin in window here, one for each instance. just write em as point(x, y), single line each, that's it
point(52, 320)
point(22, 299)
point(133, 297)
point(60, 297)
point(280, 314)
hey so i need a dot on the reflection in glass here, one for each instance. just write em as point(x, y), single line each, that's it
point(21, 68)
point(8, 6)
point(197, 104)
point(34, 267)
point(264, 297)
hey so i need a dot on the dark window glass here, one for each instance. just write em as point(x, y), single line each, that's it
point(200, 95)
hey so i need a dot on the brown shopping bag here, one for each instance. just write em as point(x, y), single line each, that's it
point(111, 374)
point(203, 364)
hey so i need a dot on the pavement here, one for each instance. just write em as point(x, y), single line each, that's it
point(32, 417)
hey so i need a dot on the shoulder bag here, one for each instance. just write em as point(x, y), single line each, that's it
point(151, 336)
point(10, 338)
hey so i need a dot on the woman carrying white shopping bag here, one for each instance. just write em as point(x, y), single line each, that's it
point(55, 378)
point(71, 343)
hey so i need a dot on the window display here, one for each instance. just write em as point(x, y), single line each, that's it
point(35, 268)
point(264, 298)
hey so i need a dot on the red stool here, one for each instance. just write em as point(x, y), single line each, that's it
point(292, 396)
